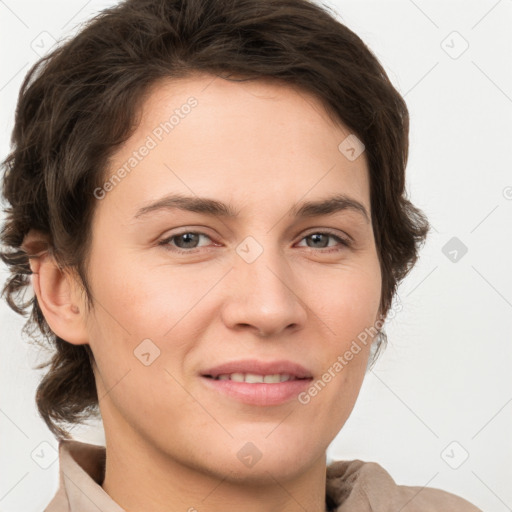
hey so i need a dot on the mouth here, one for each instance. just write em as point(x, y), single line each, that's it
point(254, 378)
point(258, 383)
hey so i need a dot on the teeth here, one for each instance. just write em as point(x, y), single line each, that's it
point(253, 378)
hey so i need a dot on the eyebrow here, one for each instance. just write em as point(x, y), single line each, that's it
point(213, 207)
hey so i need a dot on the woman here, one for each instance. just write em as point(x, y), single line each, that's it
point(209, 199)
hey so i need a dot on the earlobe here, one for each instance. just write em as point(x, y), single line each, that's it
point(57, 296)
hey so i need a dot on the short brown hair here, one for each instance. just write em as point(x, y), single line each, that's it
point(77, 104)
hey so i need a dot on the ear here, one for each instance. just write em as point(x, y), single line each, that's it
point(59, 298)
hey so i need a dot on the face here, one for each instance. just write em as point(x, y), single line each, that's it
point(196, 303)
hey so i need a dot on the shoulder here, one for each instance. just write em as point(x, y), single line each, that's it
point(367, 486)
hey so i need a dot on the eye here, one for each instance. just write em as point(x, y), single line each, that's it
point(183, 242)
point(187, 241)
point(320, 240)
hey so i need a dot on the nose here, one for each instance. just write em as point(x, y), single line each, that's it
point(263, 296)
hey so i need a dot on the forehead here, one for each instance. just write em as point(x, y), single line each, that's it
point(256, 107)
point(214, 137)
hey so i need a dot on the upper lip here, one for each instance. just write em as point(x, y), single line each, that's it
point(259, 368)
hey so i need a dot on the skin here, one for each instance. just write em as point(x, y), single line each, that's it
point(172, 442)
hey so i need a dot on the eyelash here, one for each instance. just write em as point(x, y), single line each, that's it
point(165, 243)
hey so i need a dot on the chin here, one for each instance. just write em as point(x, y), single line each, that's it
point(263, 458)
point(268, 470)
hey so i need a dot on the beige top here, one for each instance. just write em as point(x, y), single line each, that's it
point(352, 486)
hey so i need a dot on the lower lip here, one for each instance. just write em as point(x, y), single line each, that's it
point(259, 393)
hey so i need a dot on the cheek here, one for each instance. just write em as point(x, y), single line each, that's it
point(349, 309)
point(349, 298)
point(147, 301)
point(145, 321)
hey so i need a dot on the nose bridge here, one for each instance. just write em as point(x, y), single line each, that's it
point(263, 289)
point(267, 274)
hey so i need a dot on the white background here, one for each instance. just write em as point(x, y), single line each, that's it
point(445, 375)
